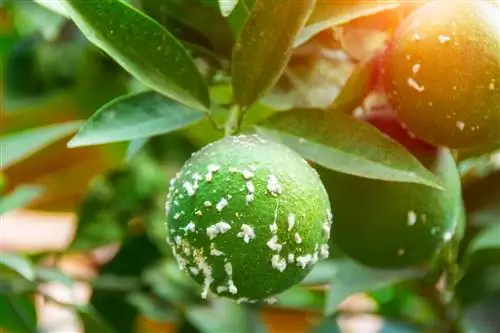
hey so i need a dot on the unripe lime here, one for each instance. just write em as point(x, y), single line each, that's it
point(392, 224)
point(442, 73)
point(247, 218)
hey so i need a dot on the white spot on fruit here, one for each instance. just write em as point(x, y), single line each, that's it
point(297, 238)
point(324, 251)
point(273, 244)
point(415, 85)
point(303, 261)
point(214, 252)
point(278, 263)
point(448, 236)
point(221, 289)
point(247, 174)
point(401, 252)
point(213, 168)
point(221, 204)
point(273, 185)
point(218, 228)
point(443, 39)
point(415, 68)
point(207, 204)
point(291, 258)
point(291, 221)
point(460, 125)
point(247, 233)
point(190, 226)
point(411, 218)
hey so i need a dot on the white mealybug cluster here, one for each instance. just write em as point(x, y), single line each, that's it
point(218, 228)
point(247, 233)
point(273, 186)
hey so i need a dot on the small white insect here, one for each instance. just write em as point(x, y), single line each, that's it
point(189, 188)
point(247, 233)
point(411, 218)
point(247, 174)
point(273, 244)
point(297, 238)
point(221, 204)
point(278, 262)
point(291, 221)
point(303, 261)
point(273, 186)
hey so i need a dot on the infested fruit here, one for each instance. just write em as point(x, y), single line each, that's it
point(442, 73)
point(390, 224)
point(247, 218)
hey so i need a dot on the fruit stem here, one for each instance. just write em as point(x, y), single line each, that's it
point(233, 120)
point(441, 295)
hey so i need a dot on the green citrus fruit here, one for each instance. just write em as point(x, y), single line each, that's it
point(247, 218)
point(442, 73)
point(393, 224)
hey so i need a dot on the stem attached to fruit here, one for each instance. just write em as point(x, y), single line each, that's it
point(441, 295)
point(233, 120)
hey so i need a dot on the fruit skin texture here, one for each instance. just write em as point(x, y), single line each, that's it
point(442, 73)
point(390, 224)
point(229, 222)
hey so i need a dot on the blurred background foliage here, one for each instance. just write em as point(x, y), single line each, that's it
point(53, 78)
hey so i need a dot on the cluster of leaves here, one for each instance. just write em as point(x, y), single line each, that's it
point(167, 77)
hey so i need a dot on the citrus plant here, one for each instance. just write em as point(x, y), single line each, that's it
point(258, 162)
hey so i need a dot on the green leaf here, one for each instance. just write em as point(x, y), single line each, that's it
point(92, 322)
point(134, 256)
point(18, 264)
point(135, 146)
point(352, 278)
point(20, 197)
point(357, 87)
point(153, 308)
point(328, 13)
point(227, 6)
point(54, 275)
point(264, 46)
point(391, 326)
point(328, 326)
point(17, 314)
point(20, 145)
point(142, 47)
point(300, 298)
point(322, 273)
point(237, 17)
point(339, 142)
point(223, 315)
point(192, 19)
point(488, 239)
point(56, 6)
point(135, 116)
point(169, 283)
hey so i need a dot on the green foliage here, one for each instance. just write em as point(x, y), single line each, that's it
point(167, 77)
point(142, 47)
point(17, 314)
point(269, 30)
point(135, 116)
point(20, 197)
point(351, 278)
point(20, 145)
point(322, 136)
